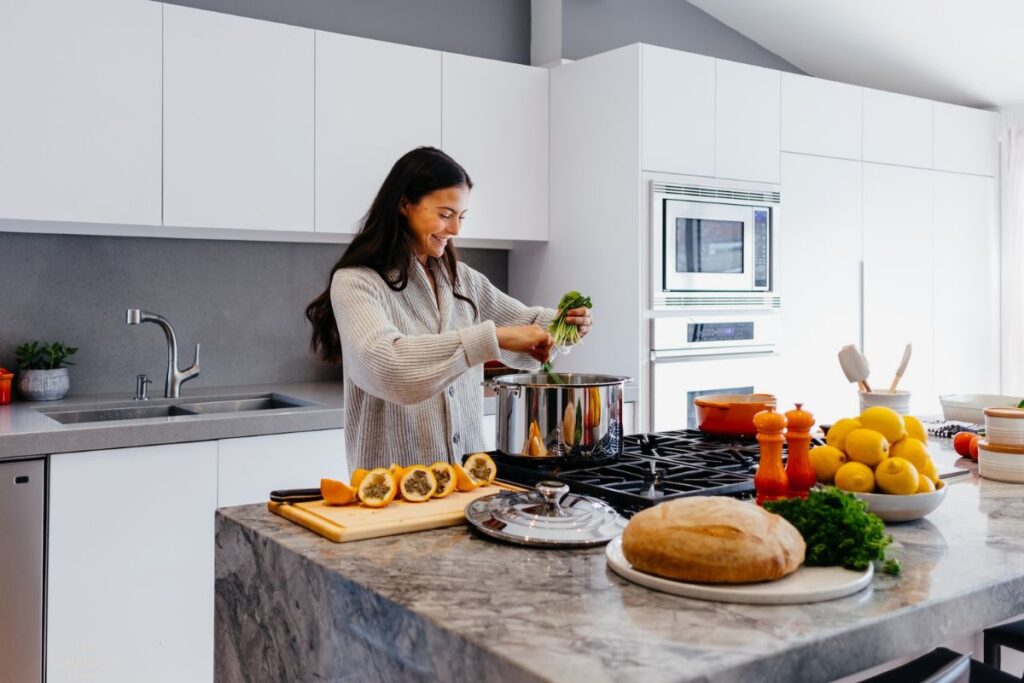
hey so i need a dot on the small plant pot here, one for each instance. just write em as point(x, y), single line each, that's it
point(43, 385)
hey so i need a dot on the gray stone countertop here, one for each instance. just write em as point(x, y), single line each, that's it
point(449, 605)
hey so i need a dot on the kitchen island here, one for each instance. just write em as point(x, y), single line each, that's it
point(448, 605)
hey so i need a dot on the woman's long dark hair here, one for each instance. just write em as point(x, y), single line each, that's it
point(385, 243)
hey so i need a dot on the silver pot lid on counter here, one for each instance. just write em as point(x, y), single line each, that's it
point(548, 516)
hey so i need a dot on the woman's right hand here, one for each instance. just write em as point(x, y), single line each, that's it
point(531, 339)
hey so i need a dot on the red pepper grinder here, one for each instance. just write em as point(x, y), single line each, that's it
point(798, 438)
point(770, 482)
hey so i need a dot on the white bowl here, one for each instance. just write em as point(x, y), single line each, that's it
point(970, 408)
point(903, 508)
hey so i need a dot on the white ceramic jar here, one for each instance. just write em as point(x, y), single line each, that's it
point(1001, 463)
point(1004, 426)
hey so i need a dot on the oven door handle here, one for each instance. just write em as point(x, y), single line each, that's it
point(682, 355)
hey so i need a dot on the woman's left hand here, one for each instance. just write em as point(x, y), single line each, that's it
point(580, 317)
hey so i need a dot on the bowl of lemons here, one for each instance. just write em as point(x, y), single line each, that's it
point(882, 457)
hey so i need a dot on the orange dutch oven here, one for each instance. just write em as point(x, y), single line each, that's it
point(731, 414)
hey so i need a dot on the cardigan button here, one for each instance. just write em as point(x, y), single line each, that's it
point(451, 390)
point(455, 438)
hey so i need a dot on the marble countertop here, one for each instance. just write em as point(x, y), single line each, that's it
point(450, 605)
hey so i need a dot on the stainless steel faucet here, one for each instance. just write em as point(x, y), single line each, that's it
point(175, 377)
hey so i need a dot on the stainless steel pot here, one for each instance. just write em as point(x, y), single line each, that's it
point(559, 415)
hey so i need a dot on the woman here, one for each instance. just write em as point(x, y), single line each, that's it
point(413, 326)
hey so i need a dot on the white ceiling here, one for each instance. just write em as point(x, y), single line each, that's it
point(968, 52)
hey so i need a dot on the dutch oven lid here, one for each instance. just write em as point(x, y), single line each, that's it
point(549, 516)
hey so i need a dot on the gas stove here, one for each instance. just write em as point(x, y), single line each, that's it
point(652, 468)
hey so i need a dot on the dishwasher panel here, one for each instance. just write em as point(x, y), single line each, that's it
point(22, 536)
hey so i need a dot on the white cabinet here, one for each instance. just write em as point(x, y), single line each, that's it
point(898, 279)
point(678, 111)
point(897, 129)
point(375, 101)
point(495, 124)
point(818, 277)
point(130, 564)
point(249, 468)
point(821, 117)
point(238, 122)
point(80, 111)
point(966, 140)
point(746, 122)
point(966, 285)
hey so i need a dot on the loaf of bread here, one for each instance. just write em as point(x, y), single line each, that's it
point(713, 540)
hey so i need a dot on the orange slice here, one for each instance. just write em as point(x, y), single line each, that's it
point(418, 484)
point(357, 477)
point(464, 481)
point(337, 492)
point(378, 488)
point(482, 468)
point(444, 475)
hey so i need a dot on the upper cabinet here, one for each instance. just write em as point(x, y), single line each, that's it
point(678, 110)
point(821, 117)
point(747, 122)
point(495, 124)
point(80, 112)
point(374, 102)
point(238, 122)
point(966, 140)
point(897, 129)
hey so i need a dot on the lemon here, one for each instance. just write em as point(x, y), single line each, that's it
point(897, 476)
point(855, 476)
point(931, 472)
point(915, 429)
point(826, 460)
point(911, 449)
point(884, 420)
point(867, 446)
point(838, 432)
point(925, 485)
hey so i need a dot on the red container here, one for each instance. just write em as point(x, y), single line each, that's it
point(5, 386)
point(731, 414)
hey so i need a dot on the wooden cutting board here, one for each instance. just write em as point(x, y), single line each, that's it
point(343, 523)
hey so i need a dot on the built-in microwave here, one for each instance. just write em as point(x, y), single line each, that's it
point(713, 239)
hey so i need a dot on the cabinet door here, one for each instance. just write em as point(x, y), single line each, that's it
point(898, 279)
point(746, 122)
point(818, 263)
point(966, 140)
point(130, 568)
point(678, 111)
point(251, 467)
point(80, 111)
point(821, 117)
point(897, 129)
point(966, 285)
point(238, 122)
point(490, 429)
point(495, 124)
point(375, 101)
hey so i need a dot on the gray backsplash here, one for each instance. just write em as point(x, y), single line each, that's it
point(243, 301)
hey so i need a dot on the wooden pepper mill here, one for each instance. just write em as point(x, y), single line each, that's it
point(770, 481)
point(798, 440)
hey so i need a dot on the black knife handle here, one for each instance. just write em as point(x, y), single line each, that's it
point(295, 495)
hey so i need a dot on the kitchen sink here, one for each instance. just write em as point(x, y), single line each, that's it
point(181, 408)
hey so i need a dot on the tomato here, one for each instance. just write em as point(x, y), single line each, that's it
point(962, 443)
point(974, 447)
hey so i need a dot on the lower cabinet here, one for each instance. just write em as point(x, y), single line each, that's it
point(131, 548)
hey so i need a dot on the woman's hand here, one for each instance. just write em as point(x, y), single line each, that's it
point(580, 317)
point(531, 339)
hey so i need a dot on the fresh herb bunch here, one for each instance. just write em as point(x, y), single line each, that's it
point(38, 356)
point(837, 528)
point(566, 334)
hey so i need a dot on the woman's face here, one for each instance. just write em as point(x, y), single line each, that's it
point(435, 219)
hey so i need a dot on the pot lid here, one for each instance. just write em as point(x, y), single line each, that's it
point(549, 516)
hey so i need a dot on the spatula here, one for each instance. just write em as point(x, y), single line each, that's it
point(855, 366)
point(900, 370)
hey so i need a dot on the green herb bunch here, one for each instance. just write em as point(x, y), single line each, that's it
point(36, 355)
point(837, 528)
point(566, 334)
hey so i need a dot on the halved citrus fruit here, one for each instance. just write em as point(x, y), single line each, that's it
point(397, 471)
point(444, 475)
point(464, 481)
point(482, 468)
point(336, 492)
point(378, 488)
point(418, 484)
point(357, 477)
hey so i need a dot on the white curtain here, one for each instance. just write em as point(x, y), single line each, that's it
point(1012, 265)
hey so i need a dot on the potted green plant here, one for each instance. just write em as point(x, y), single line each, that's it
point(43, 373)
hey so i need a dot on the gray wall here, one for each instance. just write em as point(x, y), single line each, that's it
point(593, 26)
point(243, 301)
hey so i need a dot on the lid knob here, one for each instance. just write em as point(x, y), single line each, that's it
point(553, 492)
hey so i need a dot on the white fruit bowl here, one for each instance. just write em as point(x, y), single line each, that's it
point(903, 508)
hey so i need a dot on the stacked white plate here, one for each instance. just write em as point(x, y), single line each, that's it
point(1001, 452)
